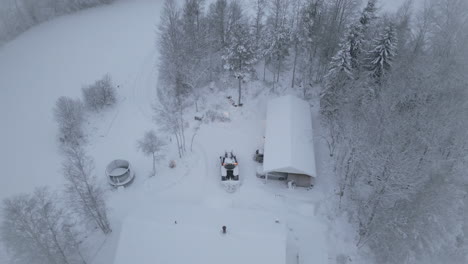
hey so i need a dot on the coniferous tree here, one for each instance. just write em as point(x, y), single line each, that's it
point(379, 59)
point(354, 38)
point(369, 13)
point(339, 73)
point(341, 64)
point(357, 36)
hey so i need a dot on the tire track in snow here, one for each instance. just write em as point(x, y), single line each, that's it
point(141, 87)
point(141, 81)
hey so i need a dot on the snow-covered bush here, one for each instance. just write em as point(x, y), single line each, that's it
point(213, 116)
point(69, 114)
point(100, 95)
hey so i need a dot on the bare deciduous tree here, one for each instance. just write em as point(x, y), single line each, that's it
point(152, 145)
point(83, 193)
point(33, 230)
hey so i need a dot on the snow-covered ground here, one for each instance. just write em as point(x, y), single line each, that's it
point(58, 57)
point(55, 59)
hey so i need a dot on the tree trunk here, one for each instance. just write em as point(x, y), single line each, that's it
point(54, 238)
point(191, 143)
point(101, 218)
point(240, 89)
point(183, 138)
point(264, 69)
point(182, 132)
point(154, 164)
point(294, 66)
point(178, 144)
point(279, 70)
point(93, 208)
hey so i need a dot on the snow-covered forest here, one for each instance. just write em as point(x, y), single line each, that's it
point(390, 90)
point(393, 99)
point(17, 16)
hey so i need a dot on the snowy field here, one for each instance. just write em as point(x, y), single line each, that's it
point(50, 61)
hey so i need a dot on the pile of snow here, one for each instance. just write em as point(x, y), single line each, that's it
point(230, 186)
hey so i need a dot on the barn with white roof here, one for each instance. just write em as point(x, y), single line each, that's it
point(289, 145)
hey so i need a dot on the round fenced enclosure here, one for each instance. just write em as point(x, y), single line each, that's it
point(119, 173)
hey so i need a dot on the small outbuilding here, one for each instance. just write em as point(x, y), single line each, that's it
point(289, 146)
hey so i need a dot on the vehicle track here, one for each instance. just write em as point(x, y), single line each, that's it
point(141, 85)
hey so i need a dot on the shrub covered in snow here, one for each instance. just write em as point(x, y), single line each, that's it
point(69, 114)
point(100, 95)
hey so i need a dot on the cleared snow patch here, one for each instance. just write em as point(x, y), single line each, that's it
point(193, 234)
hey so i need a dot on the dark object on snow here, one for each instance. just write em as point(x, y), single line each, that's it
point(198, 118)
point(229, 169)
point(258, 157)
point(172, 164)
point(224, 229)
point(231, 101)
point(175, 222)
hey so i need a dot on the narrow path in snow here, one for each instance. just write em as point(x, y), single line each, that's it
point(144, 85)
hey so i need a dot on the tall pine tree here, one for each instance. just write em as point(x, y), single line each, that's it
point(379, 59)
point(339, 73)
point(369, 13)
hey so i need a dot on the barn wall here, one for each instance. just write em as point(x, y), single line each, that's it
point(301, 180)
